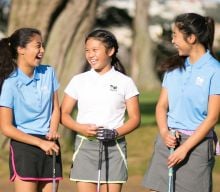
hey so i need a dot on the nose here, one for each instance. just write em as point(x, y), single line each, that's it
point(90, 54)
point(42, 49)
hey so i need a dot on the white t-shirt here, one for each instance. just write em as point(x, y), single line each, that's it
point(101, 98)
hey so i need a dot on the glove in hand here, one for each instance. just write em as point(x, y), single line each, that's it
point(106, 134)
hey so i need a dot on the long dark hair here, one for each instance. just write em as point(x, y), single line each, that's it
point(109, 40)
point(191, 23)
point(8, 53)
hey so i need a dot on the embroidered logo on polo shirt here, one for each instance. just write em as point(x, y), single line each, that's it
point(199, 81)
point(113, 88)
point(44, 88)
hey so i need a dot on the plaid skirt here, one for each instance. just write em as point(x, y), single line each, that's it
point(86, 161)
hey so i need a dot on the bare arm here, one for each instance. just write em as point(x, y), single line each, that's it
point(7, 128)
point(200, 133)
point(67, 107)
point(134, 117)
point(161, 118)
point(55, 118)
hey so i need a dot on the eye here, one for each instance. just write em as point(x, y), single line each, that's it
point(173, 35)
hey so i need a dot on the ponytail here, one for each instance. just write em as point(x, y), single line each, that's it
point(117, 64)
point(191, 23)
point(8, 53)
point(210, 33)
point(7, 63)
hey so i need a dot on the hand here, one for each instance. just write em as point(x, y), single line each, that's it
point(53, 135)
point(49, 147)
point(170, 140)
point(88, 130)
point(106, 134)
point(177, 156)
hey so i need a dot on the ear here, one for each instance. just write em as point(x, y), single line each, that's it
point(20, 50)
point(111, 52)
point(191, 39)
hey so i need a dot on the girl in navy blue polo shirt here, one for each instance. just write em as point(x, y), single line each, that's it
point(29, 111)
point(190, 104)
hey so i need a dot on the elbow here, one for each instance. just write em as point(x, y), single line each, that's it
point(63, 116)
point(213, 120)
point(4, 131)
point(137, 121)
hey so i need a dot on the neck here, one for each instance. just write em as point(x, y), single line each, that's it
point(28, 70)
point(197, 52)
point(103, 70)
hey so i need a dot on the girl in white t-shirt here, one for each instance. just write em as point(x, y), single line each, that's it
point(102, 95)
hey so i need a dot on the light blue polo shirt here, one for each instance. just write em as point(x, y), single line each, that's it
point(188, 91)
point(30, 99)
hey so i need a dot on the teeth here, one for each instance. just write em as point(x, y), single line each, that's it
point(93, 61)
point(39, 56)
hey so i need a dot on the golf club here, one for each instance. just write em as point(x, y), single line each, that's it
point(54, 172)
point(99, 165)
point(170, 171)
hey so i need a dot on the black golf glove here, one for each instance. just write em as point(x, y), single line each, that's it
point(106, 134)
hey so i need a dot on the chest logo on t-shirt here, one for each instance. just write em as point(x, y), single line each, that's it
point(113, 87)
point(199, 81)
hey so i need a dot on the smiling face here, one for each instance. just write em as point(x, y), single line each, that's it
point(183, 44)
point(32, 53)
point(98, 56)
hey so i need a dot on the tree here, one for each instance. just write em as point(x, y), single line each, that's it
point(33, 13)
point(142, 59)
point(63, 24)
point(66, 39)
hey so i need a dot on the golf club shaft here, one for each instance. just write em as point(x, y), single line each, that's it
point(54, 172)
point(99, 165)
point(170, 171)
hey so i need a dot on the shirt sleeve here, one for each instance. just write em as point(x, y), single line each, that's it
point(164, 82)
point(131, 89)
point(6, 97)
point(71, 88)
point(215, 83)
point(56, 84)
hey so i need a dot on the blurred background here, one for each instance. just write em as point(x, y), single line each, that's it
point(143, 30)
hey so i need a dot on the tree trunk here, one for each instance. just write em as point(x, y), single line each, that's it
point(142, 59)
point(32, 13)
point(66, 40)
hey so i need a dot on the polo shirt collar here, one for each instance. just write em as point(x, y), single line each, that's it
point(25, 79)
point(202, 61)
point(112, 70)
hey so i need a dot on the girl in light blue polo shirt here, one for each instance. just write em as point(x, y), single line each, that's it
point(189, 103)
point(29, 111)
